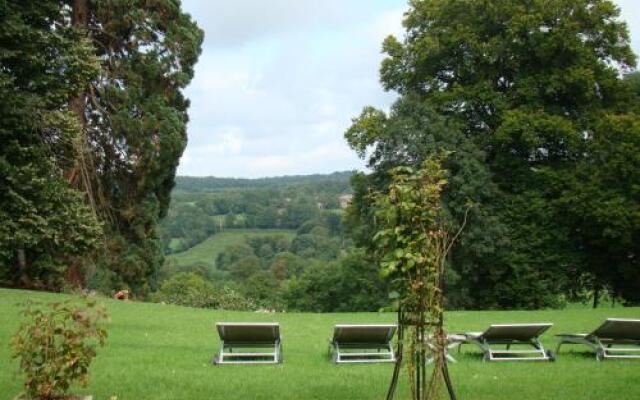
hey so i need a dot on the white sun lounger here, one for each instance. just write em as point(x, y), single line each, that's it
point(614, 338)
point(451, 342)
point(249, 343)
point(525, 338)
point(362, 343)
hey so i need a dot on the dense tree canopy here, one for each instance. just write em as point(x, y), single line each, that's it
point(529, 96)
point(134, 122)
point(91, 100)
point(45, 224)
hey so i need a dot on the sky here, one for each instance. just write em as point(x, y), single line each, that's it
point(278, 82)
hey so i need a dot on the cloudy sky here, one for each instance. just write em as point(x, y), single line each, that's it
point(278, 82)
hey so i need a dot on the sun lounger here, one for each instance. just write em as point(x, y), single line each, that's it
point(525, 338)
point(362, 343)
point(249, 343)
point(451, 342)
point(615, 338)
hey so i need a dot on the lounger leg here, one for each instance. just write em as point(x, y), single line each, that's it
point(393, 355)
point(538, 345)
point(278, 353)
point(601, 351)
point(486, 349)
point(221, 353)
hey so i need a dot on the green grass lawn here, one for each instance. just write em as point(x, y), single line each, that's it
point(163, 352)
point(205, 253)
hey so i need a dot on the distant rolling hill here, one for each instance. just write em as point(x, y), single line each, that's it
point(206, 252)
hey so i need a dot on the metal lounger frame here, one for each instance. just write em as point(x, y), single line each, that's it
point(340, 356)
point(369, 352)
point(227, 356)
point(604, 347)
point(537, 353)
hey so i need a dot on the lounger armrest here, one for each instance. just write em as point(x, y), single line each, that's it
point(576, 335)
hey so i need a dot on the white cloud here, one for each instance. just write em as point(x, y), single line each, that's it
point(279, 81)
point(277, 98)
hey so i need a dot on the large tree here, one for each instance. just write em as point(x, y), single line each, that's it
point(534, 89)
point(93, 125)
point(133, 118)
point(45, 225)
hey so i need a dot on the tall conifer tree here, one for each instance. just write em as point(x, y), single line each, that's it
point(134, 119)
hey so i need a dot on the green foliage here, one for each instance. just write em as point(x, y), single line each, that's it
point(600, 204)
point(46, 227)
point(204, 206)
point(188, 289)
point(285, 265)
point(316, 290)
point(193, 290)
point(410, 215)
point(134, 124)
point(337, 181)
point(316, 244)
point(188, 223)
point(520, 91)
point(313, 270)
point(245, 267)
point(350, 283)
point(98, 106)
point(56, 345)
point(231, 299)
point(412, 245)
point(411, 133)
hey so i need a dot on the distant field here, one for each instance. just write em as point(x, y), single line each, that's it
point(160, 352)
point(206, 252)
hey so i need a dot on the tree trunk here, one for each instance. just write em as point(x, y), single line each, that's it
point(596, 296)
point(78, 176)
point(22, 268)
point(80, 20)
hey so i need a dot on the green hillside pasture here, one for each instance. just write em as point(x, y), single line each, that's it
point(160, 352)
point(205, 253)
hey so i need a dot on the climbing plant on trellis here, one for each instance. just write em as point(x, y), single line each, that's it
point(413, 244)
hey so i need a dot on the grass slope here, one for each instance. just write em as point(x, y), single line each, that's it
point(163, 352)
point(206, 252)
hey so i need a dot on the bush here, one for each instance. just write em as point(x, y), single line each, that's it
point(56, 345)
point(186, 289)
point(191, 289)
point(229, 299)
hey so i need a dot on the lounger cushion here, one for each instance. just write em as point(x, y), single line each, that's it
point(618, 329)
point(522, 332)
point(363, 334)
point(249, 332)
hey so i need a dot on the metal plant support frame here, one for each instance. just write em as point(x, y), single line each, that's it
point(426, 348)
point(414, 244)
point(439, 350)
